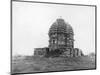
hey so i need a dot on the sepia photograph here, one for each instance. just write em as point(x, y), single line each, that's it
point(52, 37)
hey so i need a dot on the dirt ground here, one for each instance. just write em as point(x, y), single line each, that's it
point(36, 64)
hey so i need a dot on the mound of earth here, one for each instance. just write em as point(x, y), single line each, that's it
point(37, 64)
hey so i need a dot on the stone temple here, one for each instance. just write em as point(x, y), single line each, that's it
point(61, 41)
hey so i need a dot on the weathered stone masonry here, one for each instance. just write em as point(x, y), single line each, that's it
point(61, 41)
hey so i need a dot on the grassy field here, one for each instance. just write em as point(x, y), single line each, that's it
point(36, 64)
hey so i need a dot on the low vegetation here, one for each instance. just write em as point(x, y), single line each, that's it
point(37, 64)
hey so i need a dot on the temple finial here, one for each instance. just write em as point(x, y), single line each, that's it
point(60, 16)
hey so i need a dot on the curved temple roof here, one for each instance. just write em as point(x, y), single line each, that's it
point(60, 26)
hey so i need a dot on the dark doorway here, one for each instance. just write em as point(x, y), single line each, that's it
point(55, 53)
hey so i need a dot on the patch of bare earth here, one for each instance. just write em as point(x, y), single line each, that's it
point(36, 64)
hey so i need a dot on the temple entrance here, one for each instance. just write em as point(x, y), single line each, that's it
point(53, 53)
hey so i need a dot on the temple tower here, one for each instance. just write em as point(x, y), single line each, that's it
point(61, 36)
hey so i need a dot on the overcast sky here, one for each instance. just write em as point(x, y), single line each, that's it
point(31, 23)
